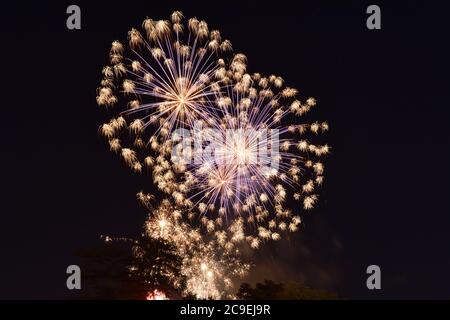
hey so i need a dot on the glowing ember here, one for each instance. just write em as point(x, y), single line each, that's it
point(156, 295)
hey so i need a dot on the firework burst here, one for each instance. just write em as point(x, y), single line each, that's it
point(262, 160)
point(165, 77)
point(263, 155)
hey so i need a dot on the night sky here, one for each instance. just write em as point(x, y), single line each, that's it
point(384, 93)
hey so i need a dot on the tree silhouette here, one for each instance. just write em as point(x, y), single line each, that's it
point(269, 290)
point(156, 263)
point(128, 269)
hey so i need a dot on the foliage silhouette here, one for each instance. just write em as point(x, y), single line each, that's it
point(128, 269)
point(269, 290)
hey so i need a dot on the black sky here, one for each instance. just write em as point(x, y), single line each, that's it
point(384, 93)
